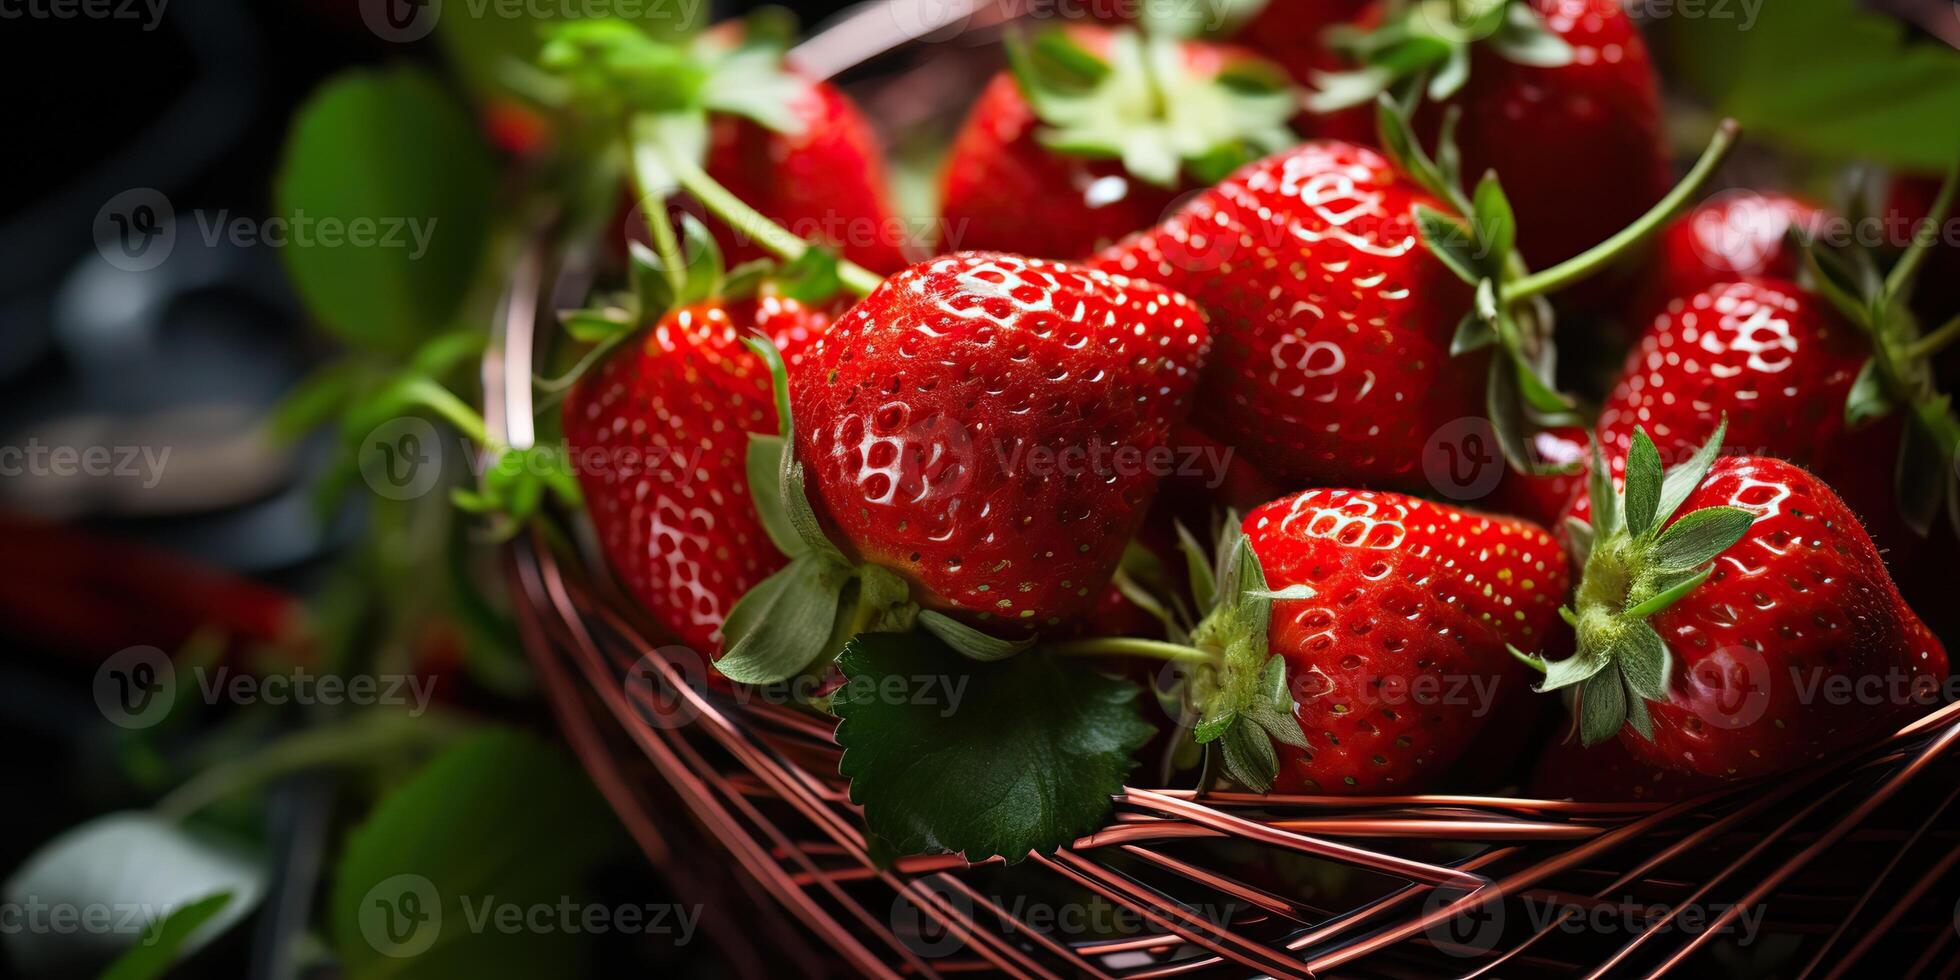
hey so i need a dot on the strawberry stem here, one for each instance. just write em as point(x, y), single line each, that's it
point(770, 235)
point(1124, 646)
point(453, 410)
point(642, 164)
point(1936, 341)
point(1598, 257)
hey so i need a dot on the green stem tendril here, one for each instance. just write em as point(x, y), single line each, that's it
point(453, 410)
point(354, 743)
point(1605, 253)
point(643, 161)
point(1936, 341)
point(770, 235)
point(1121, 646)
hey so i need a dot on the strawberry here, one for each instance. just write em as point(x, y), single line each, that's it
point(1739, 234)
point(1558, 96)
point(971, 447)
point(822, 176)
point(1713, 642)
point(1357, 639)
point(792, 146)
point(659, 433)
point(1094, 132)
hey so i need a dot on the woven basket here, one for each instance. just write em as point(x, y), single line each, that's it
point(1846, 865)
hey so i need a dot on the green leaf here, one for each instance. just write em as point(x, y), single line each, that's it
point(127, 860)
point(387, 192)
point(1698, 537)
point(1580, 667)
point(1578, 540)
point(701, 280)
point(969, 642)
point(1684, 477)
point(651, 285)
point(1494, 224)
point(1638, 716)
point(1827, 79)
point(1605, 501)
point(1868, 399)
point(1602, 707)
point(1504, 404)
point(1644, 477)
point(154, 954)
point(1643, 658)
point(765, 460)
point(1525, 39)
point(1025, 759)
point(810, 278)
point(781, 626)
point(1249, 756)
point(1450, 242)
point(498, 819)
point(1920, 479)
point(595, 325)
point(1473, 332)
point(1198, 568)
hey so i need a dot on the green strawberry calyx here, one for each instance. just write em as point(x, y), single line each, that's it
point(1635, 564)
point(1478, 243)
point(799, 619)
point(1433, 39)
point(1237, 690)
point(1899, 376)
point(1144, 107)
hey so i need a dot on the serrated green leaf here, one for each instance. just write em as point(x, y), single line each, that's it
point(1473, 332)
point(1602, 707)
point(1578, 668)
point(1024, 759)
point(1698, 537)
point(1643, 490)
point(969, 642)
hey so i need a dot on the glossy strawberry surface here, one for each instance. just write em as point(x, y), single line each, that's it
point(1778, 363)
point(658, 435)
point(1399, 658)
point(1797, 646)
point(1579, 147)
point(1332, 322)
point(824, 182)
point(1738, 234)
point(992, 428)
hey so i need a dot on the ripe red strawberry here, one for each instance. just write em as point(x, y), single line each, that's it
point(658, 435)
point(1094, 133)
point(823, 179)
point(1717, 642)
point(1332, 322)
point(1740, 234)
point(1558, 96)
point(973, 445)
point(793, 147)
point(1365, 645)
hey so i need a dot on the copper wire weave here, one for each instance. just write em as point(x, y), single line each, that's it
point(1841, 859)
